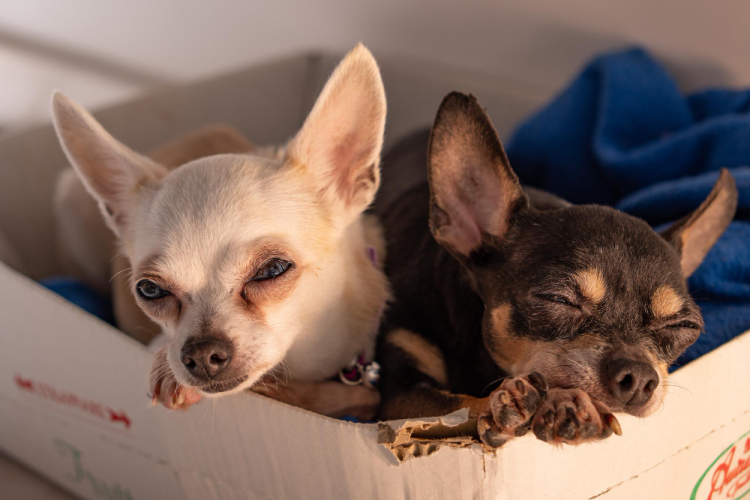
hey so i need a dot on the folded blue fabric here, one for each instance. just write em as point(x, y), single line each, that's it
point(81, 295)
point(622, 134)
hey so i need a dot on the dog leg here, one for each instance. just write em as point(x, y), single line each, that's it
point(414, 383)
point(330, 398)
point(570, 416)
point(505, 413)
point(164, 386)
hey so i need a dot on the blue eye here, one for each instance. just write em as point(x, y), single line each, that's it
point(149, 290)
point(271, 269)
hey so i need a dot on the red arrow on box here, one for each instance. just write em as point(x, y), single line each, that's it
point(119, 417)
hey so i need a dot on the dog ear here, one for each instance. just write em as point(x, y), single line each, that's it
point(695, 234)
point(473, 190)
point(341, 139)
point(111, 172)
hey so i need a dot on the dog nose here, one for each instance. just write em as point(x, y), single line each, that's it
point(631, 382)
point(206, 359)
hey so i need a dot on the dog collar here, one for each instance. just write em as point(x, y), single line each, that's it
point(360, 371)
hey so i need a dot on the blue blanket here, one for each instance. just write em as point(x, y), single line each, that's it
point(623, 135)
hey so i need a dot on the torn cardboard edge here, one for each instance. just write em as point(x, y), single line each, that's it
point(409, 438)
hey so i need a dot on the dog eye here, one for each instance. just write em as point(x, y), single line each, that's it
point(684, 324)
point(558, 299)
point(150, 290)
point(271, 269)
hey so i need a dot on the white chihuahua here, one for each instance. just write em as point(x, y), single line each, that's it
point(252, 264)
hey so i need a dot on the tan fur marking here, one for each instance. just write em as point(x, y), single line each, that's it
point(591, 283)
point(663, 370)
point(665, 302)
point(423, 404)
point(428, 357)
point(507, 349)
point(476, 406)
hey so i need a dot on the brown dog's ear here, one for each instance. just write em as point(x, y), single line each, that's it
point(695, 234)
point(473, 190)
point(341, 139)
point(111, 172)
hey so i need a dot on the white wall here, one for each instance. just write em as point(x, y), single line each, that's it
point(105, 50)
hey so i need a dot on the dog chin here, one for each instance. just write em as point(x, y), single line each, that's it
point(233, 386)
point(646, 410)
point(642, 411)
point(223, 387)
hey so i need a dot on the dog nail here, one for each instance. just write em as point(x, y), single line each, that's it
point(538, 381)
point(520, 387)
point(613, 424)
point(504, 398)
point(483, 425)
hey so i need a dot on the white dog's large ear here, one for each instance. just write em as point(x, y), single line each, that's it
point(473, 191)
point(111, 172)
point(341, 139)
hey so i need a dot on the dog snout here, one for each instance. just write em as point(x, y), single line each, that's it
point(632, 383)
point(207, 359)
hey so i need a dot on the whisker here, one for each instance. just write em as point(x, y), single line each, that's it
point(119, 272)
point(115, 256)
point(492, 383)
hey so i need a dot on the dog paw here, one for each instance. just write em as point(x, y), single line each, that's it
point(570, 416)
point(511, 408)
point(166, 390)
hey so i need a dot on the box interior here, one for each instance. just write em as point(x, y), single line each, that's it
point(30, 161)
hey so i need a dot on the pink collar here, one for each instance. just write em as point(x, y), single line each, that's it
point(360, 371)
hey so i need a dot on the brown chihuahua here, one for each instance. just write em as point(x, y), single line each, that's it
point(576, 310)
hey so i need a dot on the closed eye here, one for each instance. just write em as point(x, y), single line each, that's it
point(558, 299)
point(674, 338)
point(684, 324)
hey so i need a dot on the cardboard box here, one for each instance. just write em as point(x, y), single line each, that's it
point(73, 400)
